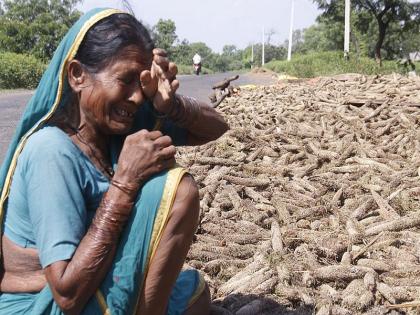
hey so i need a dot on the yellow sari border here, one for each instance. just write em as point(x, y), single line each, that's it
point(199, 291)
point(168, 197)
point(71, 53)
point(174, 175)
point(102, 303)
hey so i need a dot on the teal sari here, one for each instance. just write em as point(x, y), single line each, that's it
point(119, 292)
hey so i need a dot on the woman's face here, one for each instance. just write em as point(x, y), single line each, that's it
point(111, 97)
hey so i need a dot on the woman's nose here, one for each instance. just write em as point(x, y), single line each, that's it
point(136, 94)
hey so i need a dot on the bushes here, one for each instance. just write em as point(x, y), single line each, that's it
point(19, 71)
point(329, 63)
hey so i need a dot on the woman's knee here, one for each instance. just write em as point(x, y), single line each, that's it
point(186, 207)
point(202, 305)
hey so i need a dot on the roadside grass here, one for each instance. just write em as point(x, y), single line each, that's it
point(332, 63)
point(188, 69)
point(19, 72)
point(14, 91)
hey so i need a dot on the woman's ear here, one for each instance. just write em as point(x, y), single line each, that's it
point(77, 75)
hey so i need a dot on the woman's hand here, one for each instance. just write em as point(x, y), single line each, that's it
point(144, 154)
point(160, 83)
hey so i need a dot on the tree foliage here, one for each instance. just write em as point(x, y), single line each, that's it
point(271, 52)
point(36, 26)
point(182, 53)
point(383, 19)
point(19, 71)
point(231, 58)
point(164, 34)
point(322, 37)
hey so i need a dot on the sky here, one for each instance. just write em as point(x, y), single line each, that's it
point(221, 22)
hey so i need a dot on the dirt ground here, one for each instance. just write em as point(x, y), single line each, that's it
point(311, 202)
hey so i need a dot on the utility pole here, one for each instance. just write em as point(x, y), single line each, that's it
point(263, 43)
point(292, 15)
point(347, 30)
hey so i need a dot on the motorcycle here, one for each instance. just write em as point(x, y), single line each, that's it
point(197, 68)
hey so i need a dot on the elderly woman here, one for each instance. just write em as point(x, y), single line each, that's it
point(97, 217)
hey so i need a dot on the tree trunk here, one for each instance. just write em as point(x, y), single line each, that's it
point(382, 31)
point(355, 41)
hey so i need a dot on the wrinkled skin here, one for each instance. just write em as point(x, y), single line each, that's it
point(105, 104)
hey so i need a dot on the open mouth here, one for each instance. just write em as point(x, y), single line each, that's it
point(123, 113)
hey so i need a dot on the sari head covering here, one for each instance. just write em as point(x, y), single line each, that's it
point(52, 92)
point(143, 232)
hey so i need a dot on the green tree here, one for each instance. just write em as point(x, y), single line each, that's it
point(220, 63)
point(36, 26)
point(328, 33)
point(297, 42)
point(385, 13)
point(182, 53)
point(410, 42)
point(230, 59)
point(247, 57)
point(321, 37)
point(230, 50)
point(164, 34)
point(207, 55)
point(271, 52)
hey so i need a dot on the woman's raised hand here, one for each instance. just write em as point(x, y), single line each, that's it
point(160, 83)
point(144, 154)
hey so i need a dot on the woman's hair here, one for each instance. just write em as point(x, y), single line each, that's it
point(108, 37)
point(100, 46)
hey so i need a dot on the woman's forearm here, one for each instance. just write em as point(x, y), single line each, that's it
point(202, 121)
point(74, 282)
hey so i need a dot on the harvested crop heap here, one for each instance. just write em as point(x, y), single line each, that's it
point(311, 202)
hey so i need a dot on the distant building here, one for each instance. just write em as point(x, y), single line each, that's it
point(415, 56)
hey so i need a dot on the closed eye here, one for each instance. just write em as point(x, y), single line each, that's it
point(129, 77)
point(127, 80)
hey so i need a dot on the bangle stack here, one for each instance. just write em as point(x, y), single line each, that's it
point(109, 220)
point(184, 111)
point(174, 109)
point(128, 188)
point(188, 111)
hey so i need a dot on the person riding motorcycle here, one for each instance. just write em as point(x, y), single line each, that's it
point(197, 64)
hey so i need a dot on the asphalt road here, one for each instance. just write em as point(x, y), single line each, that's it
point(13, 103)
